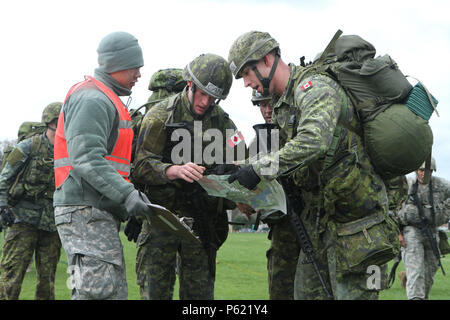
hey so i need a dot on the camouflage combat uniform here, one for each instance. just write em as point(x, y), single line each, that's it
point(308, 114)
point(163, 83)
point(153, 157)
point(34, 228)
point(282, 256)
point(420, 262)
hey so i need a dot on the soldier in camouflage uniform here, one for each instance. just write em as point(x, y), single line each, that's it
point(171, 182)
point(420, 262)
point(283, 253)
point(338, 183)
point(163, 83)
point(26, 196)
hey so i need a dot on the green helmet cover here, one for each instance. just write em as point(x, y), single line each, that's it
point(249, 47)
point(211, 74)
point(51, 112)
point(258, 97)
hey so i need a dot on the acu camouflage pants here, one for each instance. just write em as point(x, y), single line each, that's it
point(21, 241)
point(96, 265)
point(420, 263)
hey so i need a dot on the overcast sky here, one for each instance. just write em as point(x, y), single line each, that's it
point(47, 46)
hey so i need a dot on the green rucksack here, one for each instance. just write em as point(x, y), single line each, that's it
point(394, 115)
point(163, 83)
point(26, 130)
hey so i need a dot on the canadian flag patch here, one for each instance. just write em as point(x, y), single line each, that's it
point(307, 86)
point(235, 139)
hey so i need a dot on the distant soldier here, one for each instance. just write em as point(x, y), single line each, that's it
point(283, 253)
point(163, 83)
point(172, 182)
point(429, 202)
point(26, 204)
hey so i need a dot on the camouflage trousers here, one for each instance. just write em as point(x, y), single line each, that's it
point(143, 262)
point(350, 286)
point(96, 265)
point(420, 263)
point(21, 242)
point(282, 259)
point(157, 263)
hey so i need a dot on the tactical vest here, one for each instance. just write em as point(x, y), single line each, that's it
point(120, 157)
point(216, 121)
point(36, 178)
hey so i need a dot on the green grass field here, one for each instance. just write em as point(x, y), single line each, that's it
point(241, 273)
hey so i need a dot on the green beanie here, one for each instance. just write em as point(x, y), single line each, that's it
point(119, 51)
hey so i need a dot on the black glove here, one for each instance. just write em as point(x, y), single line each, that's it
point(6, 216)
point(222, 169)
point(246, 177)
point(133, 229)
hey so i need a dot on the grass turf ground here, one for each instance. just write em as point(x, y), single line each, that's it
point(241, 273)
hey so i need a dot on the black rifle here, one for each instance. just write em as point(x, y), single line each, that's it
point(293, 200)
point(425, 226)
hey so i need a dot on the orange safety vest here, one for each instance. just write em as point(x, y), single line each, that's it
point(120, 158)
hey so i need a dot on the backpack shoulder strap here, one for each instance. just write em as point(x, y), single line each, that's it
point(171, 106)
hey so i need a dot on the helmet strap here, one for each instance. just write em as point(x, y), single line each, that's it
point(266, 81)
point(193, 89)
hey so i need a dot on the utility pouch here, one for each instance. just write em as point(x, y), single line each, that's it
point(371, 240)
point(444, 247)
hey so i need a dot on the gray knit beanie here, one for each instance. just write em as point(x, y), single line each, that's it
point(119, 51)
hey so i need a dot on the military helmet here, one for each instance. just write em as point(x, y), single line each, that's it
point(170, 79)
point(432, 166)
point(258, 97)
point(51, 112)
point(250, 47)
point(211, 74)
